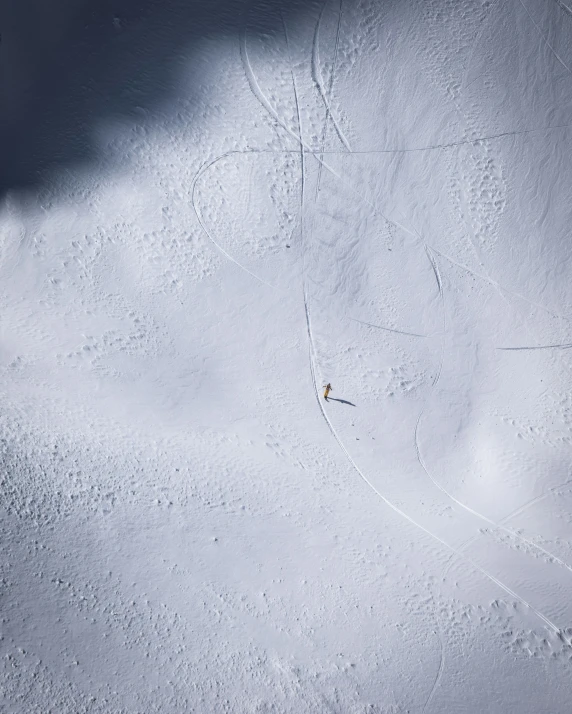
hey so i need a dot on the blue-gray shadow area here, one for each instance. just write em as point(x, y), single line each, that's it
point(66, 66)
point(341, 401)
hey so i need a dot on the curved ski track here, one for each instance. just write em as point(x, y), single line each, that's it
point(304, 148)
point(398, 510)
point(439, 672)
point(318, 80)
point(259, 94)
point(500, 288)
point(449, 495)
point(509, 517)
point(300, 134)
point(200, 172)
point(312, 354)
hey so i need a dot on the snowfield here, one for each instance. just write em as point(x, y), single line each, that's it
point(207, 212)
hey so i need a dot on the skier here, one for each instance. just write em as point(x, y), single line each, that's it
point(327, 390)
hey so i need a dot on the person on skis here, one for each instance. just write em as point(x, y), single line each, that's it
point(327, 390)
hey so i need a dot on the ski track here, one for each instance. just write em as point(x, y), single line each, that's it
point(439, 284)
point(533, 501)
point(546, 40)
point(259, 94)
point(438, 279)
point(449, 495)
point(508, 518)
point(300, 133)
point(262, 99)
point(431, 147)
point(439, 671)
point(499, 287)
point(395, 508)
point(318, 80)
point(484, 518)
point(197, 176)
point(421, 460)
point(564, 7)
point(390, 329)
point(513, 514)
point(455, 553)
point(464, 142)
point(209, 164)
point(565, 346)
point(501, 290)
point(255, 88)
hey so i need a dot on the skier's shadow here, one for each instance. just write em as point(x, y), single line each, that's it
point(341, 401)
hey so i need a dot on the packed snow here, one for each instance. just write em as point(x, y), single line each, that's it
point(208, 212)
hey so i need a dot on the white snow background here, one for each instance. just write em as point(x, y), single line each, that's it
point(371, 193)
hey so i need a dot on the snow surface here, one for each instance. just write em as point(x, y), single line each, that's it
point(207, 213)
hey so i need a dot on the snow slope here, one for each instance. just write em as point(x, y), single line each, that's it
point(375, 194)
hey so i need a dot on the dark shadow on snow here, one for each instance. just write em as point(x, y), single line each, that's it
point(341, 401)
point(70, 67)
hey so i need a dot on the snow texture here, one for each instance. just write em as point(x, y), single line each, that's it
point(207, 212)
